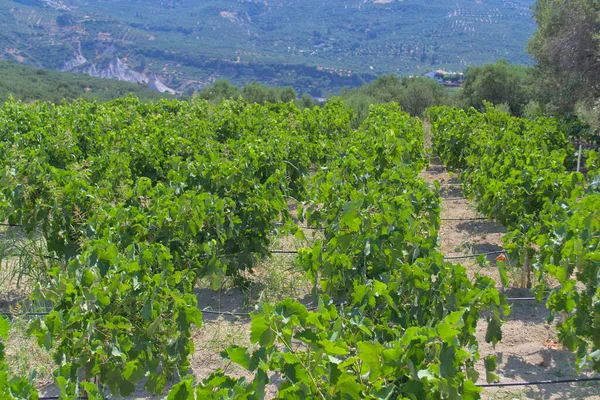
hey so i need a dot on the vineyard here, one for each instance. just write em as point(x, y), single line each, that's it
point(126, 207)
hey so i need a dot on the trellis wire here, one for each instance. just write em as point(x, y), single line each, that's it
point(230, 313)
point(481, 385)
point(536, 383)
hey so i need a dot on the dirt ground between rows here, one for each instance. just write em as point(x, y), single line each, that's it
point(528, 351)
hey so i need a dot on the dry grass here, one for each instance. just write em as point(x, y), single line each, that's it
point(25, 358)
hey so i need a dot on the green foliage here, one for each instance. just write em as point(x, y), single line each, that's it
point(499, 83)
point(375, 208)
point(570, 254)
point(219, 91)
point(565, 47)
point(30, 84)
point(375, 347)
point(119, 316)
point(414, 95)
point(519, 172)
point(253, 93)
point(593, 166)
point(130, 219)
point(135, 201)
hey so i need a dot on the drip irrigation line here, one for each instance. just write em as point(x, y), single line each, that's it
point(453, 198)
point(535, 383)
point(436, 169)
point(247, 314)
point(490, 253)
point(301, 226)
point(32, 314)
point(521, 299)
point(467, 219)
point(11, 225)
point(441, 219)
point(58, 398)
point(284, 252)
point(233, 314)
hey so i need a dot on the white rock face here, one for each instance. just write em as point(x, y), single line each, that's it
point(155, 84)
point(74, 62)
point(113, 68)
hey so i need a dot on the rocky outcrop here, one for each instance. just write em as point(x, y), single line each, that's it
point(155, 84)
point(74, 62)
point(113, 69)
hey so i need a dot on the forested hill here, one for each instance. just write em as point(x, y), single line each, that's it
point(30, 84)
point(312, 45)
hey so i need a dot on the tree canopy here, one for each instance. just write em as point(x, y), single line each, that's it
point(499, 83)
point(414, 95)
point(566, 49)
point(253, 92)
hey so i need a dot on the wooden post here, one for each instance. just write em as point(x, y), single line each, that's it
point(579, 159)
point(526, 272)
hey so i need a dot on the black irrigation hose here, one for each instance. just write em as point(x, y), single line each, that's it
point(303, 226)
point(535, 383)
point(445, 258)
point(467, 219)
point(481, 385)
point(58, 398)
point(490, 253)
point(32, 314)
point(284, 252)
point(233, 314)
point(441, 219)
point(521, 299)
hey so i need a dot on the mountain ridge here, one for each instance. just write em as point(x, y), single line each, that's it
point(183, 41)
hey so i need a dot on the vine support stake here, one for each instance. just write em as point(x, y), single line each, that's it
point(579, 158)
point(526, 273)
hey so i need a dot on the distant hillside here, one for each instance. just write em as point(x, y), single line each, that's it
point(29, 84)
point(315, 46)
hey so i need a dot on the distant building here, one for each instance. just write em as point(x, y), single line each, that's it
point(437, 75)
point(446, 78)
